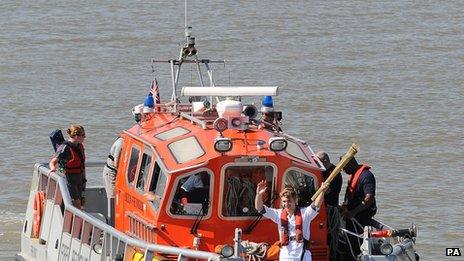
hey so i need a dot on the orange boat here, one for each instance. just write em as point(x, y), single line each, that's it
point(186, 181)
point(227, 150)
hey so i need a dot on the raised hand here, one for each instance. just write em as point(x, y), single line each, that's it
point(261, 187)
point(318, 201)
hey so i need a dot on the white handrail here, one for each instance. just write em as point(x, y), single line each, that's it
point(230, 91)
point(112, 232)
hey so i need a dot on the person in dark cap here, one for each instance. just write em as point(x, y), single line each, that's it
point(360, 193)
point(359, 200)
point(331, 197)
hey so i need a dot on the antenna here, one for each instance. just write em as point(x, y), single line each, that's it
point(189, 48)
point(186, 14)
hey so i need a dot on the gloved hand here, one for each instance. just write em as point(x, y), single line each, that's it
point(347, 215)
point(344, 212)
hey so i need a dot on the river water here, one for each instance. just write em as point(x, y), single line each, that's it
point(386, 75)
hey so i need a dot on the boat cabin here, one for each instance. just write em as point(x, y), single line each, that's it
point(175, 186)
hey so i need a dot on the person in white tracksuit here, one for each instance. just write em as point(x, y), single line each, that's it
point(295, 232)
point(109, 174)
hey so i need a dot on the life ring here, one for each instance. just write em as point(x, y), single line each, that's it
point(39, 201)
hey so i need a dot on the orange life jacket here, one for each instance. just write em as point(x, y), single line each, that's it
point(353, 181)
point(76, 163)
point(284, 226)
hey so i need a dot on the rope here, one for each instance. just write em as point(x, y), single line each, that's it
point(334, 227)
point(345, 233)
point(255, 251)
point(247, 195)
point(232, 195)
point(240, 193)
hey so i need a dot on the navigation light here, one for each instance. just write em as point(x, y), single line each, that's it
point(267, 103)
point(386, 248)
point(149, 104)
point(277, 143)
point(227, 251)
point(223, 144)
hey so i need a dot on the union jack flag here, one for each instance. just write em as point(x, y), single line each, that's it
point(154, 90)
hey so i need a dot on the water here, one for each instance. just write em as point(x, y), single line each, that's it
point(387, 76)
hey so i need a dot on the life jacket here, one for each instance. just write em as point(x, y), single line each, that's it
point(284, 224)
point(76, 163)
point(354, 179)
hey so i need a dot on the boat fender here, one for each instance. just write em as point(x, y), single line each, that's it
point(273, 251)
point(39, 201)
point(140, 257)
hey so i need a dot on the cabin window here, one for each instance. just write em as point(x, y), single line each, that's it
point(192, 194)
point(172, 133)
point(186, 149)
point(143, 176)
point(295, 150)
point(157, 185)
point(304, 184)
point(155, 177)
point(132, 167)
point(239, 192)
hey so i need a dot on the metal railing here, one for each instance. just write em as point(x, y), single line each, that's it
point(96, 235)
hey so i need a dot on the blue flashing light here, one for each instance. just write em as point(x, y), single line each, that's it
point(149, 101)
point(267, 101)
